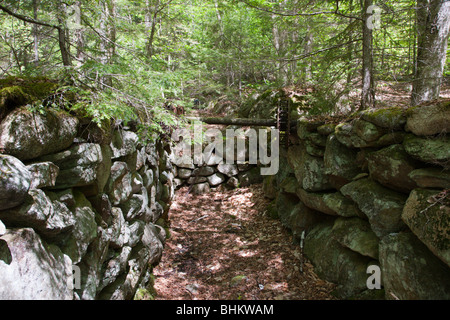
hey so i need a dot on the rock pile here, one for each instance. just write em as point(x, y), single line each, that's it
point(372, 191)
point(80, 217)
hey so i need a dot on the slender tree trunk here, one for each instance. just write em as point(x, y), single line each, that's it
point(433, 18)
point(368, 92)
point(35, 32)
point(63, 35)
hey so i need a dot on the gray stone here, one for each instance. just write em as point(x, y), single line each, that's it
point(14, 183)
point(315, 200)
point(228, 169)
point(49, 218)
point(390, 167)
point(340, 162)
point(194, 180)
point(201, 188)
point(119, 230)
point(123, 143)
point(115, 267)
point(382, 206)
point(294, 215)
point(356, 234)
point(389, 118)
point(119, 183)
point(184, 173)
point(341, 205)
point(84, 231)
point(78, 166)
point(335, 263)
point(410, 271)
point(28, 135)
point(2, 228)
point(252, 176)
point(91, 267)
point(431, 178)
point(43, 174)
point(429, 120)
point(203, 171)
point(216, 179)
point(430, 150)
point(233, 182)
point(427, 214)
point(308, 170)
point(36, 270)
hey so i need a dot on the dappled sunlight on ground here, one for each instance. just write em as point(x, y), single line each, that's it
point(223, 246)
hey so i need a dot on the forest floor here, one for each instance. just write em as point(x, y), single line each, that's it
point(223, 246)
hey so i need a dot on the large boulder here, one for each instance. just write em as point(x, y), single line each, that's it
point(43, 174)
point(335, 263)
point(77, 241)
point(309, 170)
point(14, 183)
point(50, 218)
point(28, 135)
point(410, 271)
point(356, 234)
point(119, 185)
point(390, 167)
point(342, 206)
point(429, 150)
point(35, 270)
point(382, 206)
point(390, 118)
point(427, 214)
point(295, 216)
point(431, 178)
point(429, 120)
point(81, 165)
point(340, 162)
point(363, 134)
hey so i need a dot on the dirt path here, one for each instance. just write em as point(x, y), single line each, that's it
point(223, 246)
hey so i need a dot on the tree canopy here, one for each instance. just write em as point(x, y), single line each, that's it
point(141, 53)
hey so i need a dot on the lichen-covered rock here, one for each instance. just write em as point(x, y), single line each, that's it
point(123, 143)
point(295, 216)
point(119, 186)
point(216, 179)
point(28, 135)
point(77, 241)
point(35, 270)
point(43, 174)
point(382, 206)
point(342, 206)
point(389, 118)
point(335, 263)
point(364, 134)
point(390, 167)
point(228, 169)
point(14, 183)
point(250, 177)
point(308, 170)
point(430, 150)
point(356, 234)
point(427, 214)
point(429, 120)
point(201, 188)
point(80, 165)
point(49, 218)
point(314, 200)
point(410, 271)
point(431, 178)
point(340, 162)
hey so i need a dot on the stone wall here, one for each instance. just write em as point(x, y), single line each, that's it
point(82, 211)
point(373, 190)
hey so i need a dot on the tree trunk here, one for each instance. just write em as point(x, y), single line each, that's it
point(433, 19)
point(35, 32)
point(368, 92)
